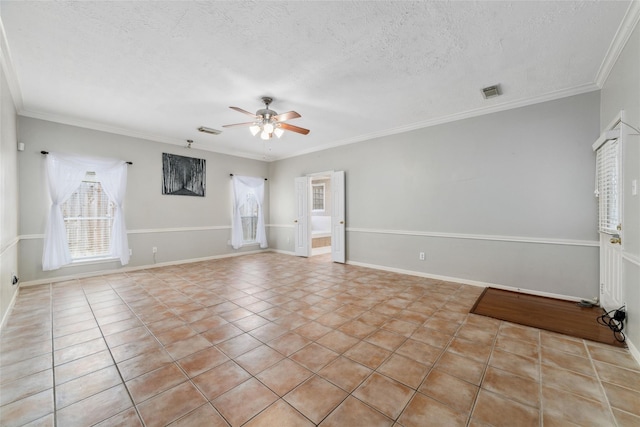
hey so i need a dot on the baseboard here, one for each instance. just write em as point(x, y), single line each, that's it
point(634, 351)
point(465, 281)
point(10, 307)
point(321, 251)
point(280, 251)
point(136, 268)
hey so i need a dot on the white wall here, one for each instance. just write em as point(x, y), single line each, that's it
point(621, 91)
point(505, 198)
point(8, 197)
point(181, 227)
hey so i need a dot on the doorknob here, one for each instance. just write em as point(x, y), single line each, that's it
point(295, 220)
point(616, 240)
point(341, 222)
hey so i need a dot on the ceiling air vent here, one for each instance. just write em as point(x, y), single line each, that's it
point(209, 130)
point(491, 91)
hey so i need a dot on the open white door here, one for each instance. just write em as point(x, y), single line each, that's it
point(301, 222)
point(609, 190)
point(337, 218)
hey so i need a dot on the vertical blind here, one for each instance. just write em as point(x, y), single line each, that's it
point(608, 186)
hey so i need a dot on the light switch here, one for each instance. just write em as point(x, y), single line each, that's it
point(634, 187)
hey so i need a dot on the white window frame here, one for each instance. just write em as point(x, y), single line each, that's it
point(324, 197)
point(244, 215)
point(90, 177)
point(608, 191)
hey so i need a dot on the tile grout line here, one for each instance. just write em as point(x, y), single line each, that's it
point(602, 389)
point(435, 362)
point(540, 394)
point(111, 354)
point(484, 372)
point(174, 361)
point(53, 362)
point(135, 405)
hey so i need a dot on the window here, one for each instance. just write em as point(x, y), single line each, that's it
point(247, 221)
point(88, 218)
point(608, 190)
point(249, 218)
point(317, 197)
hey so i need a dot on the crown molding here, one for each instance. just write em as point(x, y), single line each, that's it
point(102, 127)
point(628, 24)
point(550, 96)
point(9, 70)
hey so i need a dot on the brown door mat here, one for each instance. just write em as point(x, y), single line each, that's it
point(550, 314)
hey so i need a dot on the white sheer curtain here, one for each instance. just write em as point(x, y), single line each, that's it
point(242, 186)
point(64, 175)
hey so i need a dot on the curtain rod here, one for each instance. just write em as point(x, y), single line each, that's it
point(46, 152)
point(232, 175)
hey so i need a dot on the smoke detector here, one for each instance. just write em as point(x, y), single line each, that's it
point(491, 91)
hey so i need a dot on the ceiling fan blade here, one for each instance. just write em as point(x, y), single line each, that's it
point(287, 116)
point(238, 124)
point(293, 128)
point(240, 110)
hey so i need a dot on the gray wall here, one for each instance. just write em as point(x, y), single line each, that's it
point(621, 91)
point(505, 198)
point(8, 196)
point(181, 227)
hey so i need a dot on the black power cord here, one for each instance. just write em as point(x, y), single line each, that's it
point(615, 322)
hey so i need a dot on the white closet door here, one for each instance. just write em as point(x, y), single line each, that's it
point(338, 251)
point(301, 222)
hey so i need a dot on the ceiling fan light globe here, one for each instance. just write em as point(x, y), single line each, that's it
point(265, 135)
point(254, 130)
point(278, 132)
point(268, 127)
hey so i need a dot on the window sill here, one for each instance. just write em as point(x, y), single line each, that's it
point(90, 261)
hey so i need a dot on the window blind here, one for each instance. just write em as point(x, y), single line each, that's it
point(608, 186)
point(88, 218)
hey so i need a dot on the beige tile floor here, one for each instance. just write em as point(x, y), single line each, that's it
point(275, 340)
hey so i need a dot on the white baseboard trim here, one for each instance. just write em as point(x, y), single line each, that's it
point(10, 307)
point(280, 251)
point(136, 268)
point(320, 251)
point(634, 351)
point(465, 281)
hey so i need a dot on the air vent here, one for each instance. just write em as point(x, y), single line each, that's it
point(209, 130)
point(491, 91)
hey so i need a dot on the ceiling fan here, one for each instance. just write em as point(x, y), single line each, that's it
point(268, 123)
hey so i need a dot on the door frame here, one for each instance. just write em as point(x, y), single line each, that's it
point(302, 231)
point(611, 292)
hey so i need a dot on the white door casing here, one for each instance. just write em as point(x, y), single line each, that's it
point(302, 239)
point(338, 252)
point(611, 242)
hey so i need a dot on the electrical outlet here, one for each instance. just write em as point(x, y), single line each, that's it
point(154, 250)
point(421, 256)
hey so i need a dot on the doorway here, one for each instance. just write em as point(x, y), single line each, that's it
point(320, 215)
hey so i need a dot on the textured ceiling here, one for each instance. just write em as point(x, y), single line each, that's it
point(352, 69)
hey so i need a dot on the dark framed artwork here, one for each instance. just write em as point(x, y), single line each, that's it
point(183, 176)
